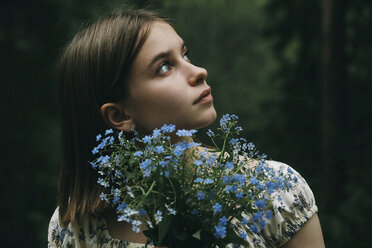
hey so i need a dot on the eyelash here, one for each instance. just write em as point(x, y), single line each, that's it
point(187, 54)
point(166, 63)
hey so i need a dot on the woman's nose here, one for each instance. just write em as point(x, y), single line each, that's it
point(197, 75)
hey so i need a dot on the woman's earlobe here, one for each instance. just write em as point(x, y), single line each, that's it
point(116, 117)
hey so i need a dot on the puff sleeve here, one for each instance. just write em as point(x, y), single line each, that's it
point(58, 236)
point(291, 210)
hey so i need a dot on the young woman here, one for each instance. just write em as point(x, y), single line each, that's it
point(132, 70)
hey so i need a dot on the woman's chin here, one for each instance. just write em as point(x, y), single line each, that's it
point(208, 119)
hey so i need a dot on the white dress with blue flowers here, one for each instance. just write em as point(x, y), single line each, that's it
point(291, 211)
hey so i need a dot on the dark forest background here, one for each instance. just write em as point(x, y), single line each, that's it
point(297, 72)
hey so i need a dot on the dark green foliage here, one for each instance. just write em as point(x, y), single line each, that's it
point(326, 108)
point(266, 63)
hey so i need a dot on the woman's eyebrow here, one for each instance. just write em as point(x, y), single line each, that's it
point(159, 56)
point(163, 55)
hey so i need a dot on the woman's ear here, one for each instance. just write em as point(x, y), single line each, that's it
point(116, 117)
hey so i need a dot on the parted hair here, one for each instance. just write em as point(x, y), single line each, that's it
point(93, 70)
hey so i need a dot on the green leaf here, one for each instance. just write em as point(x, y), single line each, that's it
point(234, 238)
point(179, 232)
point(152, 234)
point(197, 235)
point(164, 227)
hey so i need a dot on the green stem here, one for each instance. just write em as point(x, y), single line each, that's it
point(183, 176)
point(170, 181)
point(224, 145)
point(156, 192)
point(150, 189)
point(214, 143)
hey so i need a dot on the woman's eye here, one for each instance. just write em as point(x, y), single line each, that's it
point(186, 56)
point(163, 68)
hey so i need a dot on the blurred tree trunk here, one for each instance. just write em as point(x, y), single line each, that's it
point(325, 89)
point(334, 98)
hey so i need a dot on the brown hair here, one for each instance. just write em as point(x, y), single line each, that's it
point(93, 70)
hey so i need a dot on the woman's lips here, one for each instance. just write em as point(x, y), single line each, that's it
point(204, 97)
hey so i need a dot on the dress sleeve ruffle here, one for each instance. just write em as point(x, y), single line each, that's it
point(91, 232)
point(57, 236)
point(291, 210)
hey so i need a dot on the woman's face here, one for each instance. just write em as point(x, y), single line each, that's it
point(165, 87)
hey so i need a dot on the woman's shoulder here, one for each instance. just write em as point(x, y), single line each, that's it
point(296, 202)
point(57, 235)
point(291, 208)
point(299, 188)
point(90, 231)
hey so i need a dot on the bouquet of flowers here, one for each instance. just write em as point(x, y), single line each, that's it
point(187, 195)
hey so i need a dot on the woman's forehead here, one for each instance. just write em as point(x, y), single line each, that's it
point(162, 38)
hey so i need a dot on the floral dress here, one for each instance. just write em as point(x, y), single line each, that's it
point(291, 211)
